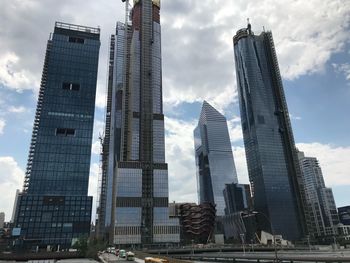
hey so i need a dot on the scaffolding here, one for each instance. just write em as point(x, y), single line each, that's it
point(86, 29)
point(37, 119)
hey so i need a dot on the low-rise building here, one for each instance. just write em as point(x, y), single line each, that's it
point(344, 215)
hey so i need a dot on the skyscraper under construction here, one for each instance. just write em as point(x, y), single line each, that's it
point(272, 160)
point(133, 205)
point(54, 209)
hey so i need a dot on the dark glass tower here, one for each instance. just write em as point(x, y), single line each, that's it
point(214, 158)
point(272, 160)
point(54, 208)
point(133, 207)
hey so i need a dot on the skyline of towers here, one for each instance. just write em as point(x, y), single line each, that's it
point(54, 207)
point(134, 196)
point(215, 166)
point(135, 134)
point(271, 156)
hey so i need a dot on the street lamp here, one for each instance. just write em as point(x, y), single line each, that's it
point(242, 238)
point(249, 213)
point(308, 242)
point(192, 241)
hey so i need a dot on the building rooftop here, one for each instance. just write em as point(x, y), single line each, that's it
point(85, 29)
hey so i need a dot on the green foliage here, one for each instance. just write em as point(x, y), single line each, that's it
point(94, 246)
point(89, 248)
point(81, 245)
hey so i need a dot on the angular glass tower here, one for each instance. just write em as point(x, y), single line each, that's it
point(133, 207)
point(54, 208)
point(319, 198)
point(214, 158)
point(272, 160)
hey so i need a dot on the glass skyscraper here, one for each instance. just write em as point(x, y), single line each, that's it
point(272, 160)
point(54, 207)
point(133, 207)
point(214, 158)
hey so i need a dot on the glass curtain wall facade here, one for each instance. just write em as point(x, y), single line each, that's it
point(214, 159)
point(237, 198)
point(112, 136)
point(272, 160)
point(54, 208)
point(136, 175)
point(320, 200)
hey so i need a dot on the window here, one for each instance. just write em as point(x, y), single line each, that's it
point(60, 131)
point(70, 86)
point(261, 119)
point(65, 132)
point(76, 40)
point(70, 132)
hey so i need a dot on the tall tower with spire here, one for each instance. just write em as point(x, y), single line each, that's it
point(133, 206)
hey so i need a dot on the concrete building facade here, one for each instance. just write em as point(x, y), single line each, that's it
point(320, 200)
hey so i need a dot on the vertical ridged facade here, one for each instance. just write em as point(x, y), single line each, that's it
point(137, 175)
point(54, 208)
point(272, 160)
point(214, 159)
point(319, 198)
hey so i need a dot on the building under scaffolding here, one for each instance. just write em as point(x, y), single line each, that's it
point(54, 208)
point(133, 201)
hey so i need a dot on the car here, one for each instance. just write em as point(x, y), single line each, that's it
point(130, 256)
point(111, 250)
point(122, 253)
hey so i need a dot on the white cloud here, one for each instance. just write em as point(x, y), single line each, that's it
point(13, 76)
point(20, 109)
point(96, 148)
point(334, 161)
point(235, 129)
point(11, 179)
point(22, 44)
point(241, 164)
point(180, 157)
point(2, 126)
point(342, 69)
point(98, 129)
point(197, 65)
point(293, 117)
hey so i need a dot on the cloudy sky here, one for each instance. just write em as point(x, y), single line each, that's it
point(312, 39)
